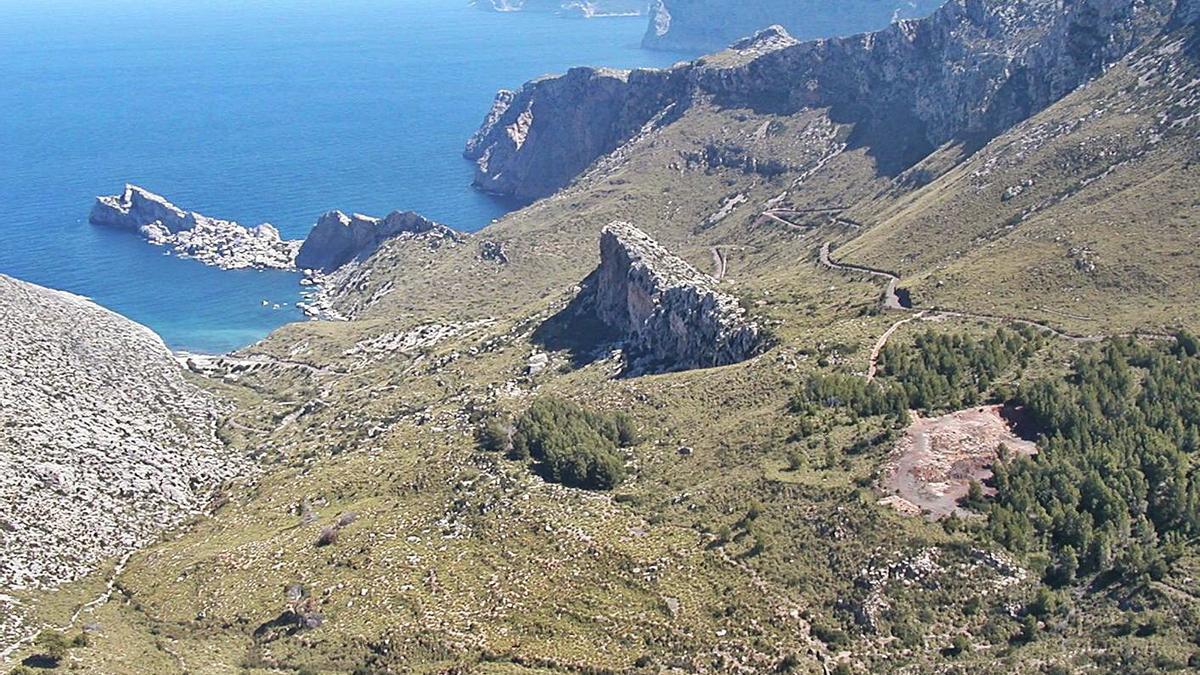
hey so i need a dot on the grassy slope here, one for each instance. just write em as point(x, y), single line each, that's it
point(1104, 179)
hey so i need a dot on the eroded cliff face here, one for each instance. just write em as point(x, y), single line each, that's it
point(102, 442)
point(672, 315)
point(534, 141)
point(212, 241)
point(967, 72)
point(710, 25)
point(338, 238)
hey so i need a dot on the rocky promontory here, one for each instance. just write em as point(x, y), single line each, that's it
point(711, 25)
point(212, 241)
point(535, 140)
point(103, 443)
point(338, 238)
point(334, 241)
point(672, 316)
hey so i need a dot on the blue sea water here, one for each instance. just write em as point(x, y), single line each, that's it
point(273, 110)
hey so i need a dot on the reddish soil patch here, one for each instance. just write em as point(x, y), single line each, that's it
point(933, 465)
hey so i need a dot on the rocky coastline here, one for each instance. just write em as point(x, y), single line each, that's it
point(711, 25)
point(338, 238)
point(212, 241)
point(327, 257)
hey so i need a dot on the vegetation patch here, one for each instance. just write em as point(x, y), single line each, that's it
point(1115, 487)
point(571, 445)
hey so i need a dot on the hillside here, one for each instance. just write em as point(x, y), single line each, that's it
point(104, 443)
point(473, 474)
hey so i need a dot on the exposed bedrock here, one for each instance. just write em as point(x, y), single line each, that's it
point(335, 240)
point(535, 140)
point(338, 238)
point(967, 72)
point(671, 315)
point(212, 241)
point(103, 443)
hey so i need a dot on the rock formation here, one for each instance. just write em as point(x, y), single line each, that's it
point(102, 441)
point(968, 71)
point(338, 238)
point(710, 25)
point(672, 315)
point(221, 243)
point(535, 140)
point(335, 240)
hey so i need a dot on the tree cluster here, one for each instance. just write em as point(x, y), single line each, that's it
point(575, 447)
point(948, 371)
point(1114, 486)
point(862, 398)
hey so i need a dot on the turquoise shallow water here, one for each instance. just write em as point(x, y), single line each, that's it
point(268, 111)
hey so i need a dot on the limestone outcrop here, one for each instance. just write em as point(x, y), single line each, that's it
point(212, 241)
point(672, 316)
point(711, 25)
point(103, 443)
point(966, 72)
point(334, 241)
point(534, 141)
point(338, 238)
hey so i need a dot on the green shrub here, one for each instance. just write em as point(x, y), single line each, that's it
point(576, 447)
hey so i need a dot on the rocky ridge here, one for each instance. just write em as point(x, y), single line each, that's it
point(967, 72)
point(672, 315)
point(104, 443)
point(212, 241)
point(338, 238)
point(710, 25)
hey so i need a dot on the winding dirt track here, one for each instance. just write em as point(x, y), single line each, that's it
point(104, 597)
point(873, 368)
point(782, 217)
point(891, 301)
point(719, 263)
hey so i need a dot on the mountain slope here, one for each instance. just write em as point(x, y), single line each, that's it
point(748, 535)
point(103, 443)
point(1080, 216)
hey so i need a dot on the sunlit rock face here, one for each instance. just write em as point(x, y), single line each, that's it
point(672, 315)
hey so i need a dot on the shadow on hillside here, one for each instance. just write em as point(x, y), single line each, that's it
point(577, 331)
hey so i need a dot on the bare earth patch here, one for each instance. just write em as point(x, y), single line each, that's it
point(933, 464)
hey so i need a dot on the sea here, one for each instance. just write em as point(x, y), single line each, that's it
point(266, 111)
